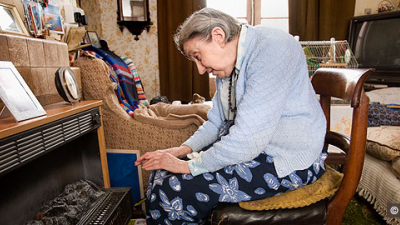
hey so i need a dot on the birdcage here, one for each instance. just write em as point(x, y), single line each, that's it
point(334, 54)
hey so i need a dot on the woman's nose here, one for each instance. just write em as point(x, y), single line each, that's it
point(202, 69)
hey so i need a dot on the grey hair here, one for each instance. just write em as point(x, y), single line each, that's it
point(201, 23)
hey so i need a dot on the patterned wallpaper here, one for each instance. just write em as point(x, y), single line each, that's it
point(102, 15)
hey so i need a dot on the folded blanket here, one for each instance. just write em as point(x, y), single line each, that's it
point(172, 116)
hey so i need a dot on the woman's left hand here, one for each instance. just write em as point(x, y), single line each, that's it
point(164, 160)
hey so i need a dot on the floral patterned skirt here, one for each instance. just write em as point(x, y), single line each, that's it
point(184, 199)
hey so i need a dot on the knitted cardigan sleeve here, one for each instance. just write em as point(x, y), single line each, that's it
point(208, 132)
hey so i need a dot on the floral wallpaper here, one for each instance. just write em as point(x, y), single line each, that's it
point(102, 16)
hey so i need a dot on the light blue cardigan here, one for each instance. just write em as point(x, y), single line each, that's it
point(277, 110)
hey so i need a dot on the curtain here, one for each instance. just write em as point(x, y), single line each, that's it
point(179, 78)
point(319, 20)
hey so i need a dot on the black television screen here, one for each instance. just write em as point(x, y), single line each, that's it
point(375, 42)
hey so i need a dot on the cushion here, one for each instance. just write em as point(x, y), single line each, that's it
point(383, 142)
point(304, 196)
point(385, 95)
point(386, 115)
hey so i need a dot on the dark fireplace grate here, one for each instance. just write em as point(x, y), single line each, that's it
point(115, 208)
point(82, 203)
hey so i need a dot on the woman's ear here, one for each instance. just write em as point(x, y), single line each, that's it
point(218, 35)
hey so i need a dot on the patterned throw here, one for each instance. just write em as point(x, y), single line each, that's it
point(123, 73)
point(139, 87)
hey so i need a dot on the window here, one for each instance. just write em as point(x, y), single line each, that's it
point(271, 13)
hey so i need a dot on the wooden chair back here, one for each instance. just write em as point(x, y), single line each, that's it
point(348, 85)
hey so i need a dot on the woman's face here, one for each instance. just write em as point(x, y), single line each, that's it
point(216, 56)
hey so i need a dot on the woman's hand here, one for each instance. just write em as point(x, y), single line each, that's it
point(165, 159)
point(162, 159)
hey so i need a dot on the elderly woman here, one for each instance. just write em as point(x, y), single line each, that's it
point(264, 134)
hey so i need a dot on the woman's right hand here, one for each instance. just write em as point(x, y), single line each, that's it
point(178, 152)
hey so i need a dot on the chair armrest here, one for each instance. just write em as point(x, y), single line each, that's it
point(340, 141)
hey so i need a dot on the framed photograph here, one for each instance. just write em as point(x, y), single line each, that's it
point(124, 173)
point(52, 19)
point(16, 94)
point(35, 17)
point(94, 38)
point(10, 21)
point(28, 19)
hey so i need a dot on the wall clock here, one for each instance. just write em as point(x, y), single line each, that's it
point(66, 85)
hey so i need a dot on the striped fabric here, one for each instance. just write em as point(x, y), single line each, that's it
point(123, 72)
point(139, 87)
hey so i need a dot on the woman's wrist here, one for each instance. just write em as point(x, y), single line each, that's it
point(180, 151)
point(185, 167)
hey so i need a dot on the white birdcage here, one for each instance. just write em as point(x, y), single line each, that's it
point(334, 54)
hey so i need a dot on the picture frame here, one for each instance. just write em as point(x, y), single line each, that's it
point(52, 17)
point(36, 18)
point(16, 94)
point(124, 173)
point(93, 38)
point(133, 10)
point(11, 22)
point(28, 19)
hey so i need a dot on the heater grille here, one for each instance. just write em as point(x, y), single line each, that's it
point(115, 208)
point(25, 146)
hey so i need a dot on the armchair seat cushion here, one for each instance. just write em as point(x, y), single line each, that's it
point(304, 196)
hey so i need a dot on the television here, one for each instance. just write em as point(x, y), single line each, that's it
point(375, 42)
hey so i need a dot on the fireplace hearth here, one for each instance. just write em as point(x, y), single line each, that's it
point(70, 206)
point(83, 203)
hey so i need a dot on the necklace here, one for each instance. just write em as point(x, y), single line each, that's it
point(231, 101)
